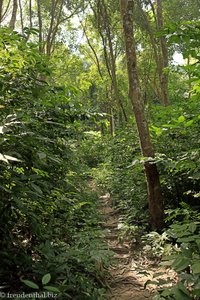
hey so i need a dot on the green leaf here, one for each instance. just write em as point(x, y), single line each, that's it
point(196, 267)
point(192, 227)
point(187, 239)
point(197, 241)
point(180, 294)
point(175, 39)
point(30, 284)
point(51, 289)
point(42, 155)
point(181, 263)
point(181, 287)
point(158, 131)
point(181, 119)
point(189, 123)
point(37, 188)
point(46, 278)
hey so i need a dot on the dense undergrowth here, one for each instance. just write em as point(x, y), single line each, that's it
point(175, 133)
point(49, 220)
point(51, 235)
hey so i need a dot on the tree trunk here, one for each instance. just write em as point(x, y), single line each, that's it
point(104, 28)
point(21, 15)
point(155, 199)
point(40, 25)
point(48, 41)
point(112, 123)
point(30, 14)
point(113, 62)
point(159, 49)
point(1, 10)
point(163, 57)
point(93, 50)
point(14, 15)
point(56, 26)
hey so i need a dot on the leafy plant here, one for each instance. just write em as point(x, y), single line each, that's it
point(184, 259)
point(156, 244)
point(48, 212)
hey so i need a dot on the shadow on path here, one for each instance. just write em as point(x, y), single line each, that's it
point(124, 282)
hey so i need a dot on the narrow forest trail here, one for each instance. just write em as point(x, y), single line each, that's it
point(126, 282)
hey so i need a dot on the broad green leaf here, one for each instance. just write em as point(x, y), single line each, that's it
point(158, 131)
point(196, 267)
point(30, 284)
point(37, 188)
point(46, 278)
point(181, 263)
point(175, 39)
point(42, 155)
point(51, 289)
point(181, 287)
point(189, 123)
point(197, 241)
point(192, 227)
point(180, 295)
point(187, 239)
point(181, 119)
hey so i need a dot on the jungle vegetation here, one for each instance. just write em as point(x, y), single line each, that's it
point(91, 92)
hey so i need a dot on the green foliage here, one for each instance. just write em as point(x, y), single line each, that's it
point(92, 148)
point(122, 179)
point(156, 244)
point(175, 133)
point(49, 223)
point(184, 256)
point(51, 148)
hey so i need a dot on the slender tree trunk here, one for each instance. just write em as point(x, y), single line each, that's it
point(93, 50)
point(112, 122)
point(160, 49)
point(55, 28)
point(110, 59)
point(163, 57)
point(155, 199)
point(30, 14)
point(21, 15)
point(40, 25)
point(14, 15)
point(53, 8)
point(189, 78)
point(113, 61)
point(1, 10)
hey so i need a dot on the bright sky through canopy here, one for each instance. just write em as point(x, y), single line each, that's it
point(178, 59)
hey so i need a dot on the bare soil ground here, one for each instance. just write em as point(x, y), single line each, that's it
point(132, 270)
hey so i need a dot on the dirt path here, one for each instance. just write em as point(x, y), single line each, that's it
point(125, 282)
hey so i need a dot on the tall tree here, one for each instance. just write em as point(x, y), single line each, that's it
point(14, 14)
point(163, 57)
point(108, 37)
point(159, 46)
point(1, 10)
point(155, 199)
point(39, 14)
point(21, 14)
